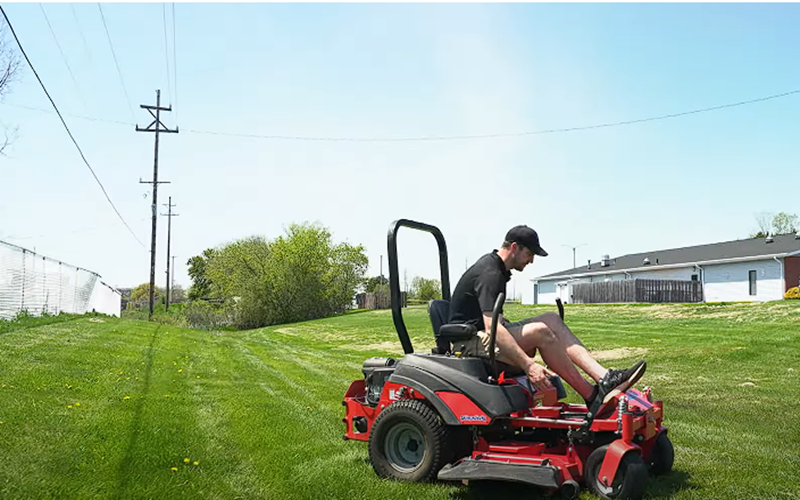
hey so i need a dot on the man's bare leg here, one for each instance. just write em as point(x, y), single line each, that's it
point(575, 349)
point(537, 335)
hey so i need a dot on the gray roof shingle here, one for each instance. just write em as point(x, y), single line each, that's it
point(737, 249)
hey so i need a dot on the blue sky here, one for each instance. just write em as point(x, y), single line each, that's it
point(403, 70)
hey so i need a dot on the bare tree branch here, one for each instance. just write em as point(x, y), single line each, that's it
point(9, 71)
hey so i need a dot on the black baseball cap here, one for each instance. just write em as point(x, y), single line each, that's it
point(527, 237)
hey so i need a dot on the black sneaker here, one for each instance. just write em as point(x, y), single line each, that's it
point(619, 381)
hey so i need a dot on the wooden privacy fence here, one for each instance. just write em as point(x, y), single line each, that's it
point(637, 290)
point(378, 300)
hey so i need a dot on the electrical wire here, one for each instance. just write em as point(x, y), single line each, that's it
point(63, 56)
point(77, 231)
point(498, 135)
point(443, 138)
point(88, 118)
point(80, 31)
point(175, 62)
point(25, 55)
point(119, 72)
point(166, 51)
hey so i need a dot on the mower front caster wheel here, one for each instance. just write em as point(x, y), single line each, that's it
point(408, 442)
point(570, 489)
point(662, 455)
point(629, 483)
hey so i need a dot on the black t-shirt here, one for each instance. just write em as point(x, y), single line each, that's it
point(477, 290)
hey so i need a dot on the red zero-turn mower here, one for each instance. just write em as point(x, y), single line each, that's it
point(452, 418)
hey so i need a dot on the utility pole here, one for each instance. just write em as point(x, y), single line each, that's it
point(169, 238)
point(381, 280)
point(573, 252)
point(155, 126)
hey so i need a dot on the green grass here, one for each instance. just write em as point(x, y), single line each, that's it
point(98, 407)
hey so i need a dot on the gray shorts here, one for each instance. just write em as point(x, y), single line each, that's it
point(479, 346)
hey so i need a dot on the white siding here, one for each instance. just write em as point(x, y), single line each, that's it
point(681, 273)
point(730, 282)
point(723, 282)
point(547, 292)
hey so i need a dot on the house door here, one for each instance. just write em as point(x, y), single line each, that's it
point(562, 292)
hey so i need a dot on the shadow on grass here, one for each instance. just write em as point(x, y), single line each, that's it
point(659, 487)
point(123, 475)
point(670, 484)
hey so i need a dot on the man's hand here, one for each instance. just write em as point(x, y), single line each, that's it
point(538, 374)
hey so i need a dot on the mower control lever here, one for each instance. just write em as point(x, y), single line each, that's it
point(498, 306)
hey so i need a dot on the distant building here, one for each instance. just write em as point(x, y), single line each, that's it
point(756, 269)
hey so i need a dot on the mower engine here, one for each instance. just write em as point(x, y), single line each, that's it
point(376, 371)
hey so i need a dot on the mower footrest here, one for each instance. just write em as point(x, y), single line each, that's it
point(537, 475)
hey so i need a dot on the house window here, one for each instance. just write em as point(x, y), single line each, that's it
point(694, 277)
point(752, 282)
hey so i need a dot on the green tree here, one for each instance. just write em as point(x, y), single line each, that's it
point(298, 276)
point(140, 296)
point(784, 223)
point(780, 223)
point(201, 284)
point(372, 284)
point(177, 294)
point(426, 289)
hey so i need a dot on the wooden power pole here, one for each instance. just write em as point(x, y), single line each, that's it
point(169, 238)
point(155, 126)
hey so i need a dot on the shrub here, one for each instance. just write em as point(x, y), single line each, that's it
point(792, 293)
point(206, 316)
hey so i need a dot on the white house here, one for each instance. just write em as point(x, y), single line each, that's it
point(756, 269)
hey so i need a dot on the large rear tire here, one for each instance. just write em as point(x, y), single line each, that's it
point(630, 482)
point(408, 442)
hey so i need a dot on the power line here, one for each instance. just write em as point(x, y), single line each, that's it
point(88, 118)
point(166, 51)
point(495, 136)
point(175, 62)
point(80, 31)
point(63, 56)
point(77, 231)
point(113, 53)
point(441, 138)
point(24, 54)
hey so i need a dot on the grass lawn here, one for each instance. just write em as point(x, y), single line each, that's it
point(111, 408)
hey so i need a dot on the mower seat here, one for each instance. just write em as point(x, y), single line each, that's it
point(445, 334)
point(439, 313)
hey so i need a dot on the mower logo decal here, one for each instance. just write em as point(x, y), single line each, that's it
point(473, 418)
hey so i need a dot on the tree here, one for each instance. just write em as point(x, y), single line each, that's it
point(201, 285)
point(784, 223)
point(141, 296)
point(780, 223)
point(426, 289)
point(177, 294)
point(9, 69)
point(371, 284)
point(298, 276)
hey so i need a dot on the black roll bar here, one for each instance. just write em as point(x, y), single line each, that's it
point(394, 277)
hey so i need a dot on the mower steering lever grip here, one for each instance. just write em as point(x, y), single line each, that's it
point(498, 306)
